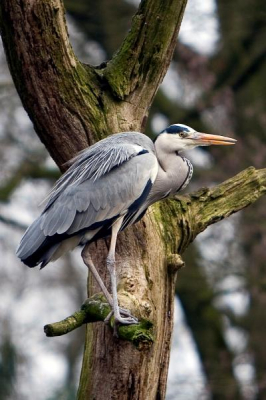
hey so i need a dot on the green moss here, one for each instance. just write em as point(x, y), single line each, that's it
point(167, 215)
point(96, 309)
point(140, 335)
point(145, 48)
point(115, 73)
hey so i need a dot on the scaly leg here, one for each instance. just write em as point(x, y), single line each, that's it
point(89, 263)
point(111, 267)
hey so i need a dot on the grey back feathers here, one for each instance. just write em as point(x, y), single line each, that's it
point(89, 202)
point(119, 176)
point(99, 159)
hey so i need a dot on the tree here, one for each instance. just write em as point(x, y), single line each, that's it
point(71, 106)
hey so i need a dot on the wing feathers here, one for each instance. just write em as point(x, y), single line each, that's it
point(85, 204)
point(31, 240)
point(99, 159)
point(102, 184)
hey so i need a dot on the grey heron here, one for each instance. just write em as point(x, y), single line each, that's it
point(108, 187)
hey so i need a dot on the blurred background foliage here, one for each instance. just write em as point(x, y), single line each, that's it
point(216, 83)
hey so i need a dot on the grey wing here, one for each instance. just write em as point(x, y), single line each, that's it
point(90, 204)
point(99, 159)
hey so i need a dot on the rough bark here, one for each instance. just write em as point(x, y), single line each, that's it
point(71, 106)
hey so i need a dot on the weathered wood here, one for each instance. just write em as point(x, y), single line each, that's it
point(57, 91)
point(183, 217)
point(191, 214)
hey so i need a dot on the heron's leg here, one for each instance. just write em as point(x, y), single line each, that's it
point(111, 267)
point(89, 263)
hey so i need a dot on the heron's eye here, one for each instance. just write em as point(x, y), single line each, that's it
point(183, 134)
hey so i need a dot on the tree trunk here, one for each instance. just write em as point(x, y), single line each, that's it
point(116, 369)
point(72, 105)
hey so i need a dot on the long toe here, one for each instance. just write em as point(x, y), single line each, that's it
point(125, 317)
point(126, 314)
point(109, 316)
point(130, 320)
point(124, 311)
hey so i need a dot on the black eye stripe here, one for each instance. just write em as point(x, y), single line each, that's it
point(176, 129)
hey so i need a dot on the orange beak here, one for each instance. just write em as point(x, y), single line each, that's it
point(204, 139)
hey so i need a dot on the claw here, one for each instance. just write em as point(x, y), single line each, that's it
point(128, 319)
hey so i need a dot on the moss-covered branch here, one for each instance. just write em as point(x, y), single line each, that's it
point(147, 49)
point(97, 309)
point(195, 212)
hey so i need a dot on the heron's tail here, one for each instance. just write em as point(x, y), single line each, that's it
point(35, 248)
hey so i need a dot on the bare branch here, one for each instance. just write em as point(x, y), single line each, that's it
point(13, 223)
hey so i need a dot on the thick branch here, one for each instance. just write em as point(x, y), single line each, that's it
point(147, 50)
point(96, 309)
point(59, 93)
point(195, 212)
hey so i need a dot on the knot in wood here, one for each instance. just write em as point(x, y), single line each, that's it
point(174, 262)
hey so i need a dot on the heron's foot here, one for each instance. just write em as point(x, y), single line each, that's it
point(124, 317)
point(119, 320)
point(129, 320)
point(123, 311)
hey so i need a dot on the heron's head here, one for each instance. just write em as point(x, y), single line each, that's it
point(179, 137)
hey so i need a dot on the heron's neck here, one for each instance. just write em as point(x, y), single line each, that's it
point(169, 161)
point(172, 173)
